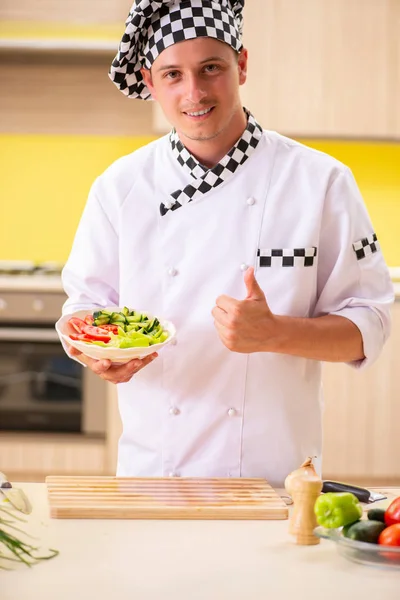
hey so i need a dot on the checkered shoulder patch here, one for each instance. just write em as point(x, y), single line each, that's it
point(284, 257)
point(366, 246)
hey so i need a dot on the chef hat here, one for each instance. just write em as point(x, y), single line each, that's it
point(152, 26)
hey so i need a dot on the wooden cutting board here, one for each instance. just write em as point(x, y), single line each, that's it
point(162, 498)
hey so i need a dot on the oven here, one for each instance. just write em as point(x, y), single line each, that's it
point(41, 388)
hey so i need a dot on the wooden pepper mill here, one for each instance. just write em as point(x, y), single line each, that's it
point(304, 486)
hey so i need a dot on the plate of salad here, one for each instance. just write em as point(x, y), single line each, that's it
point(115, 333)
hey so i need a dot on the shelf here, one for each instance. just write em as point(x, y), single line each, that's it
point(17, 35)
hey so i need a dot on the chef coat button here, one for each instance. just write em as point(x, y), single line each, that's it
point(174, 410)
point(251, 201)
point(174, 342)
point(231, 412)
point(172, 271)
point(173, 474)
point(244, 267)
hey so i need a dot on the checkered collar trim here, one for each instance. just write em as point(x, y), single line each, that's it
point(205, 179)
point(152, 26)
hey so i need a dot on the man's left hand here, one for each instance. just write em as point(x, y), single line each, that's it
point(245, 325)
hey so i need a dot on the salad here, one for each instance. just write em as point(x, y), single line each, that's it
point(125, 329)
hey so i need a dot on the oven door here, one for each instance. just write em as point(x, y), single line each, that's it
point(42, 389)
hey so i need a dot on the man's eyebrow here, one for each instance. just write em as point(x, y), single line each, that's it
point(206, 60)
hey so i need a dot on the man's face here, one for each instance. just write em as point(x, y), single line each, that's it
point(197, 84)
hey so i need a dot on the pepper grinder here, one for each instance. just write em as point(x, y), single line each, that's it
point(304, 492)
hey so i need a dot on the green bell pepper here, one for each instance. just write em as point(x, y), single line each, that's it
point(337, 509)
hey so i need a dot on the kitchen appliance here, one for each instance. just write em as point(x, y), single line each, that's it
point(163, 498)
point(41, 388)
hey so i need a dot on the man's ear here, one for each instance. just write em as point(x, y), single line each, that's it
point(242, 65)
point(147, 78)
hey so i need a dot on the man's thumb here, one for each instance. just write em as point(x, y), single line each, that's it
point(254, 292)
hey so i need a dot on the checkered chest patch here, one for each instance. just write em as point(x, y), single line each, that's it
point(283, 257)
point(366, 246)
point(203, 179)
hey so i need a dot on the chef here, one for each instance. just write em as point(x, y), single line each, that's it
point(259, 249)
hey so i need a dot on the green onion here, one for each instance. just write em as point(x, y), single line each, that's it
point(13, 549)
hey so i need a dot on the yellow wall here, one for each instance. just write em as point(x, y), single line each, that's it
point(44, 181)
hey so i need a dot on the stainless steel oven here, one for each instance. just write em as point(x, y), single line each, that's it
point(42, 389)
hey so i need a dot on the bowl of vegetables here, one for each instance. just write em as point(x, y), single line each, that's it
point(115, 333)
point(374, 540)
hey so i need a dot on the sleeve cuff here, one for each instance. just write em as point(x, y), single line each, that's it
point(371, 328)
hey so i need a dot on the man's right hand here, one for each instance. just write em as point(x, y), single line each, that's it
point(113, 372)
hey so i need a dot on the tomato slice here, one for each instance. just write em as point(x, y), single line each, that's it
point(96, 333)
point(112, 328)
point(89, 319)
point(77, 324)
point(81, 337)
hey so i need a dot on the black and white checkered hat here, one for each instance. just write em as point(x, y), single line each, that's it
point(152, 26)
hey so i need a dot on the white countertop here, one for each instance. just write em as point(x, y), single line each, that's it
point(186, 560)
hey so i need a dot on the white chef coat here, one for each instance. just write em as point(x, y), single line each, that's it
point(200, 409)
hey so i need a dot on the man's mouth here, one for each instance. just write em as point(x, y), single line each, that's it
point(198, 114)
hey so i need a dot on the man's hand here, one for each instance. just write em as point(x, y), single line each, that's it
point(245, 325)
point(110, 372)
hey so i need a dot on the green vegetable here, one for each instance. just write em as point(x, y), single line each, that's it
point(376, 514)
point(12, 549)
point(337, 509)
point(364, 531)
point(135, 329)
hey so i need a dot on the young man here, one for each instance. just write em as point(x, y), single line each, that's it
point(259, 250)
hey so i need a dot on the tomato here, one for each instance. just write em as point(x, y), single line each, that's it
point(81, 337)
point(89, 319)
point(96, 333)
point(390, 536)
point(392, 513)
point(76, 324)
point(112, 328)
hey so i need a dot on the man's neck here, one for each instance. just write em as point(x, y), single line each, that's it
point(210, 152)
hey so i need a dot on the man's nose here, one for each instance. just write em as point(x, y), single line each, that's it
point(195, 91)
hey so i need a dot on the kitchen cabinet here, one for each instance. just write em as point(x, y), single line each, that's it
point(325, 68)
point(61, 53)
point(362, 416)
point(316, 68)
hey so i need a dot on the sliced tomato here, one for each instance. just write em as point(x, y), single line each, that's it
point(77, 324)
point(112, 328)
point(96, 333)
point(81, 337)
point(89, 319)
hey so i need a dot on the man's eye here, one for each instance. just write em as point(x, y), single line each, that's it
point(172, 74)
point(211, 68)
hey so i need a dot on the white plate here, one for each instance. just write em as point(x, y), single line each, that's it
point(118, 355)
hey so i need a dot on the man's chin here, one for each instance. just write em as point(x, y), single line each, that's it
point(201, 136)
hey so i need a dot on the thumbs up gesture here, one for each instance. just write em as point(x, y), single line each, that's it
point(245, 325)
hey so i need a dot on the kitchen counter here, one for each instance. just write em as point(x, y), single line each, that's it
point(182, 560)
point(30, 283)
